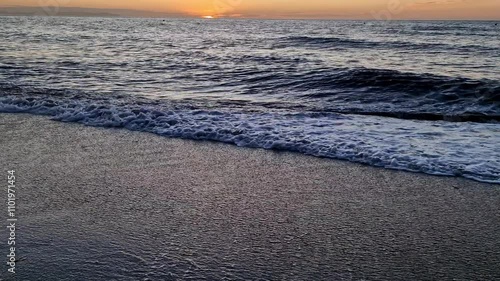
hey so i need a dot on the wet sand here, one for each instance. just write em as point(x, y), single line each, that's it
point(109, 204)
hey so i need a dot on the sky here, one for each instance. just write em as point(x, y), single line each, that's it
point(329, 9)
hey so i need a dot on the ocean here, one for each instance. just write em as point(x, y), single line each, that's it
point(420, 96)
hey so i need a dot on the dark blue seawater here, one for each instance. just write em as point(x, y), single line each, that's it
point(417, 96)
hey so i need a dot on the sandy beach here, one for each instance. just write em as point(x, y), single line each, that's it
point(111, 204)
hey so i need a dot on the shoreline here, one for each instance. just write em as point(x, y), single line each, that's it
point(100, 203)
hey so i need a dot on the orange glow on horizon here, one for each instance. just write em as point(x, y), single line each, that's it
point(329, 9)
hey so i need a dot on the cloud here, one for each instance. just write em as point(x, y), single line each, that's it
point(81, 12)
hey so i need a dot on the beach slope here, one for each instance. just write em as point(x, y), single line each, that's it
point(110, 204)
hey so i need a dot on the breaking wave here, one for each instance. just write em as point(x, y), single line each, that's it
point(438, 148)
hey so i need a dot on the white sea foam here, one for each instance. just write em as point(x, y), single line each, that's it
point(441, 148)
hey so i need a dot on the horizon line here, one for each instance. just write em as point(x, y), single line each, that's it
point(173, 15)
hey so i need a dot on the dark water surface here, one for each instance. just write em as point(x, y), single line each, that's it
point(324, 88)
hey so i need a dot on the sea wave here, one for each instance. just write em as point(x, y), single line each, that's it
point(354, 43)
point(440, 148)
point(382, 92)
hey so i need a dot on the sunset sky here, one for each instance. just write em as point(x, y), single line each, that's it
point(341, 9)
